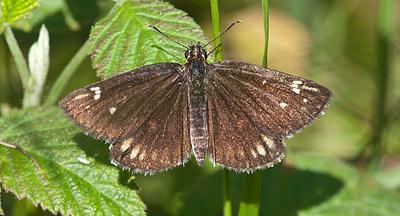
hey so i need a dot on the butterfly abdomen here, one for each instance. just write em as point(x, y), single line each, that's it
point(197, 98)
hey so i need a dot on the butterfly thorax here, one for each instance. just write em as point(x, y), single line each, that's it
point(197, 88)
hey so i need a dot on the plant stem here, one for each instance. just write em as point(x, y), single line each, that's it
point(266, 30)
point(385, 27)
point(216, 29)
point(18, 56)
point(226, 190)
point(250, 200)
point(66, 74)
point(226, 185)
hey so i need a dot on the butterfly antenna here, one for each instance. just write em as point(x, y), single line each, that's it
point(151, 26)
point(214, 49)
point(234, 23)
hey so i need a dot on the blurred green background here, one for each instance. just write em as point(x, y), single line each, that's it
point(338, 43)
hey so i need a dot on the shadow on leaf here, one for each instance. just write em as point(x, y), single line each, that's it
point(93, 148)
point(100, 152)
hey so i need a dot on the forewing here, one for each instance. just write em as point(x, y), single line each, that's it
point(142, 113)
point(279, 104)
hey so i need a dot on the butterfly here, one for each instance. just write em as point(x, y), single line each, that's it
point(235, 113)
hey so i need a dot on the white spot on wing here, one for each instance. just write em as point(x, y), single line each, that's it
point(283, 105)
point(310, 88)
point(253, 153)
point(270, 142)
point(97, 92)
point(297, 82)
point(81, 96)
point(296, 90)
point(141, 156)
point(305, 100)
point(134, 152)
point(261, 150)
point(112, 110)
point(264, 81)
point(126, 144)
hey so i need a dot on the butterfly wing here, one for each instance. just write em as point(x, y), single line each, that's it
point(235, 141)
point(142, 113)
point(252, 108)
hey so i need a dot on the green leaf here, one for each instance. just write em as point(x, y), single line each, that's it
point(78, 177)
point(121, 42)
point(310, 185)
point(49, 9)
point(13, 10)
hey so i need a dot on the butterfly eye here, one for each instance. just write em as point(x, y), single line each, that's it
point(204, 53)
point(187, 53)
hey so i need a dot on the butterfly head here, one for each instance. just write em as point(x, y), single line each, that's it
point(195, 51)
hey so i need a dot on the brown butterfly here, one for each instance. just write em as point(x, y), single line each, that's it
point(157, 115)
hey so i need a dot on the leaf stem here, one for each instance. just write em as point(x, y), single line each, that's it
point(15, 146)
point(18, 56)
point(66, 74)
